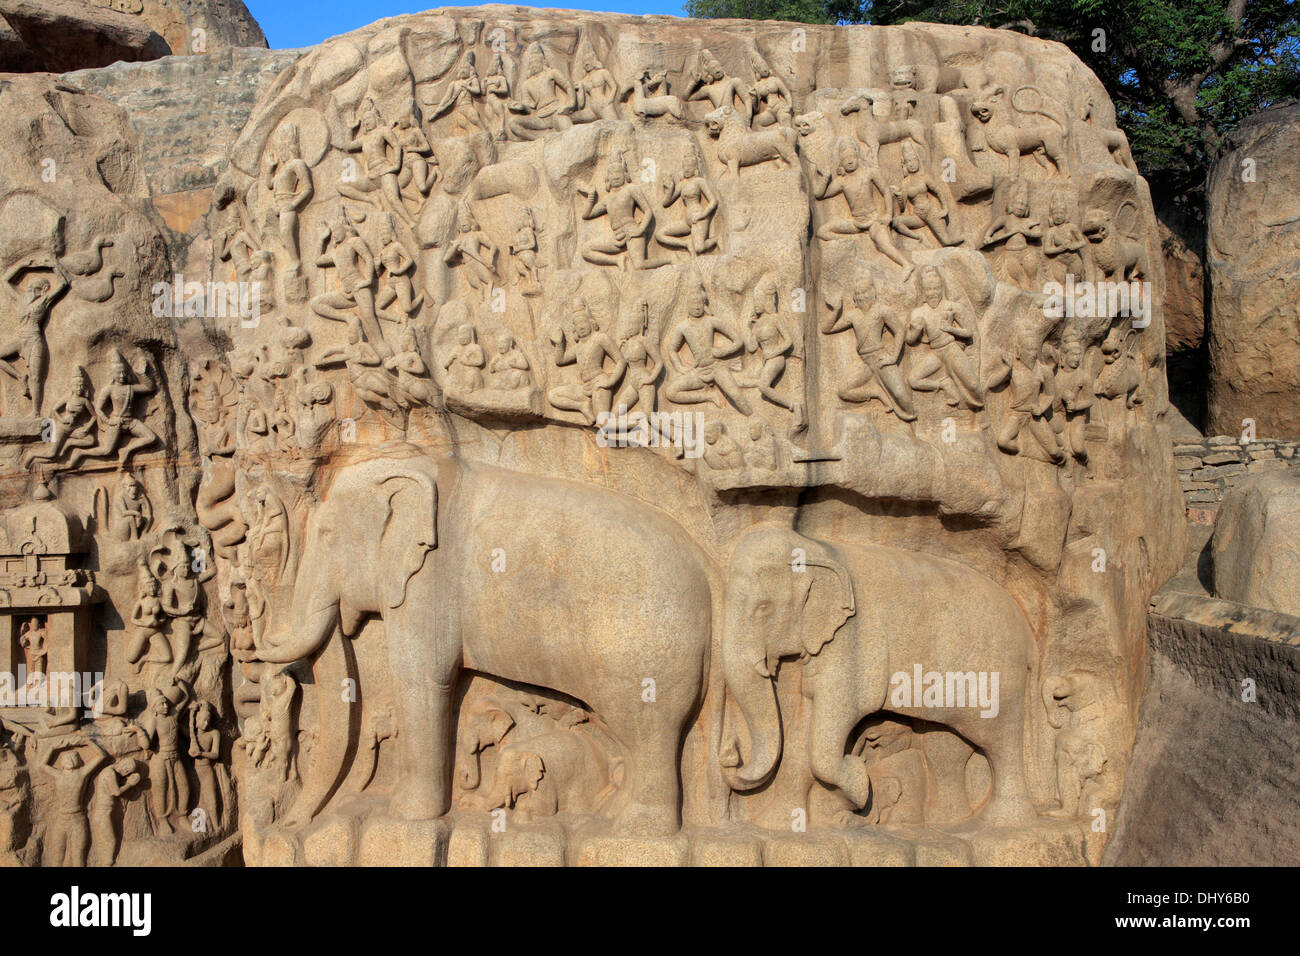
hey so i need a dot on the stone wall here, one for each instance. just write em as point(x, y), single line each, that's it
point(1207, 469)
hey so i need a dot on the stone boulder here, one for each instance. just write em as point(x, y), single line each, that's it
point(1254, 262)
point(1256, 560)
point(59, 35)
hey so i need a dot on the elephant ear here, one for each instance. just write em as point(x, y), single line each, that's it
point(828, 601)
point(410, 529)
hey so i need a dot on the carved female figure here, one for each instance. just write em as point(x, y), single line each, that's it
point(398, 266)
point(643, 366)
point(767, 335)
point(772, 101)
point(595, 91)
point(700, 203)
point(1063, 243)
point(73, 421)
point(474, 250)
point(524, 249)
point(1015, 227)
point(460, 99)
point(926, 197)
point(496, 96)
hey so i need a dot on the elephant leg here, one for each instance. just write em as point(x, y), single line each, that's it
point(1002, 741)
point(828, 735)
point(650, 772)
point(423, 707)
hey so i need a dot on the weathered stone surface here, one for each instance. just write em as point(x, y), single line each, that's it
point(1184, 289)
point(1254, 261)
point(878, 566)
point(1255, 551)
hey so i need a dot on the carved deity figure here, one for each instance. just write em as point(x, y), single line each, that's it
point(711, 82)
point(643, 366)
point(407, 365)
point(31, 639)
point(474, 251)
point(926, 199)
point(1032, 376)
point(944, 325)
point(398, 267)
point(496, 97)
point(460, 99)
point(595, 91)
point(700, 204)
point(768, 334)
point(112, 785)
point(114, 410)
point(771, 100)
point(692, 382)
point(523, 247)
point(278, 693)
point(73, 423)
point(859, 185)
point(761, 451)
point(354, 300)
point(621, 202)
point(205, 752)
point(1063, 244)
point(721, 453)
point(1074, 392)
point(881, 376)
point(589, 349)
point(508, 368)
point(1015, 229)
point(148, 647)
point(288, 179)
point(131, 512)
point(545, 98)
point(381, 153)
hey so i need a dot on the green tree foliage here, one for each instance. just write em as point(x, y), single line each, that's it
point(1182, 73)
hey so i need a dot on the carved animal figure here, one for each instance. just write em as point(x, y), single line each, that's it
point(738, 146)
point(542, 581)
point(645, 103)
point(859, 614)
point(560, 771)
point(1002, 135)
point(1119, 260)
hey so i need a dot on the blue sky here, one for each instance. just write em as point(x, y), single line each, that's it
point(295, 23)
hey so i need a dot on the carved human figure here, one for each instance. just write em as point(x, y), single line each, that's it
point(114, 411)
point(474, 251)
point(288, 178)
point(589, 349)
point(1032, 375)
point(73, 423)
point(354, 267)
point(545, 98)
point(509, 368)
point(621, 203)
point(692, 382)
point(1063, 243)
point(35, 292)
point(768, 334)
point(721, 453)
point(771, 100)
point(860, 186)
point(700, 204)
point(278, 693)
point(464, 363)
point(1074, 392)
point(419, 165)
point(397, 266)
point(1015, 228)
point(1075, 709)
point(643, 366)
point(414, 386)
point(381, 153)
point(926, 198)
point(205, 752)
point(523, 247)
point(148, 646)
point(15, 797)
point(112, 785)
point(595, 91)
point(31, 639)
point(460, 99)
point(761, 449)
point(496, 97)
point(67, 831)
point(131, 512)
point(882, 375)
point(182, 596)
point(711, 82)
point(943, 325)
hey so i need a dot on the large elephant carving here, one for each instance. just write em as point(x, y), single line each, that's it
point(542, 581)
point(859, 614)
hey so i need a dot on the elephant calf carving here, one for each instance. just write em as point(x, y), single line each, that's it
point(539, 581)
point(859, 614)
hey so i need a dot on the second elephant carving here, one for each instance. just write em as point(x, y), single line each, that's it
point(538, 581)
point(860, 616)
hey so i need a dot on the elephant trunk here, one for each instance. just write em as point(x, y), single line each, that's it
point(332, 667)
point(745, 668)
point(311, 619)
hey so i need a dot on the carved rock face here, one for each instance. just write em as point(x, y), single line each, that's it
point(659, 431)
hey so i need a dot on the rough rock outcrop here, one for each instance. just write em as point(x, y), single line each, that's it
point(59, 35)
point(1255, 552)
point(1254, 262)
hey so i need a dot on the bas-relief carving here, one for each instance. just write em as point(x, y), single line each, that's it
point(417, 575)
